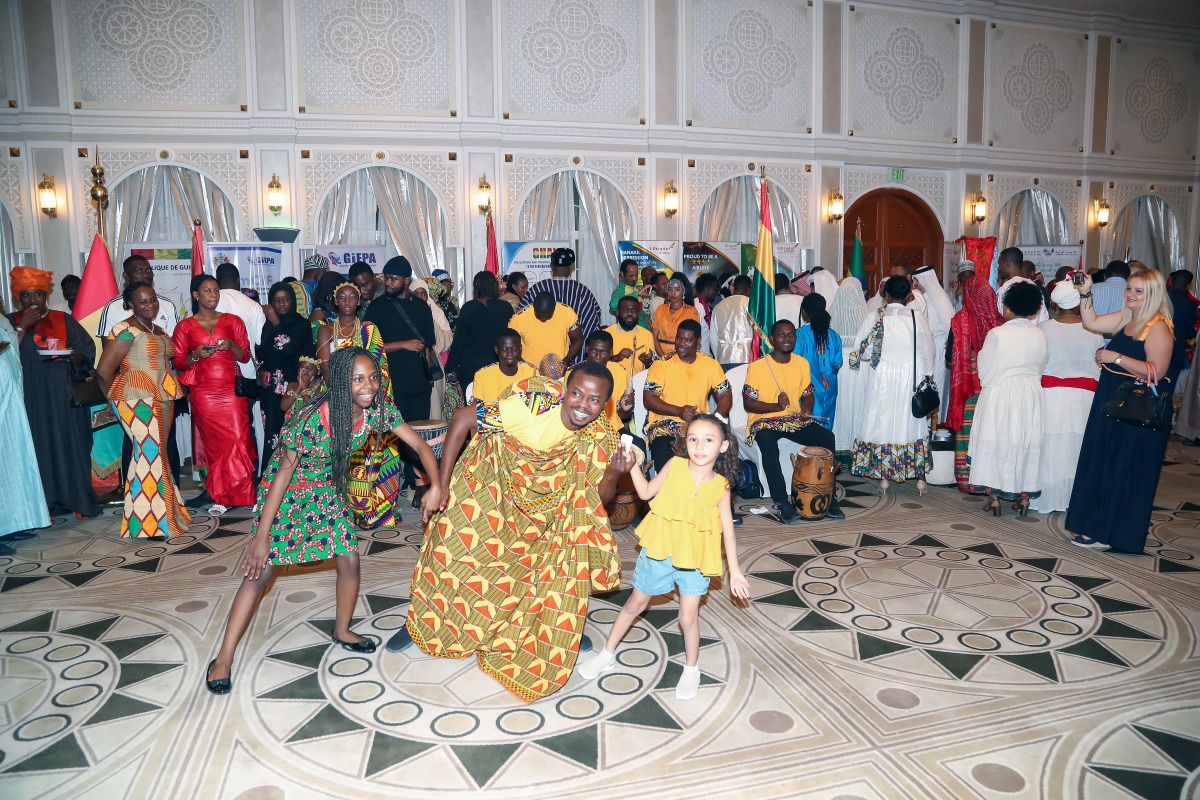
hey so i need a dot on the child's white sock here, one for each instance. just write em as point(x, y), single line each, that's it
point(689, 683)
point(603, 661)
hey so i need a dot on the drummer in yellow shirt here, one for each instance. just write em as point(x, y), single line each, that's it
point(495, 378)
point(678, 388)
point(548, 327)
point(633, 345)
point(599, 348)
point(778, 398)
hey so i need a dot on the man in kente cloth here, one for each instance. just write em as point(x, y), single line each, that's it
point(505, 571)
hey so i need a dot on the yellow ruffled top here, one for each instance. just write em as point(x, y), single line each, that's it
point(684, 522)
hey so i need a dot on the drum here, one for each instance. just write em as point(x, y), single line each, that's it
point(433, 431)
point(812, 482)
point(626, 506)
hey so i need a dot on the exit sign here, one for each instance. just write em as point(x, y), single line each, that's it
point(897, 174)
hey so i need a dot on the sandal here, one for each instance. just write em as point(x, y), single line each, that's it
point(993, 505)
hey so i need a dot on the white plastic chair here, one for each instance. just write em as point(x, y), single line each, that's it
point(738, 421)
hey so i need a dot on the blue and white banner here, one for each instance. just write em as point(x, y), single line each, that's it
point(260, 265)
point(531, 258)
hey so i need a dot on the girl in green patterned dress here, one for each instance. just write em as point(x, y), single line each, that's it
point(303, 511)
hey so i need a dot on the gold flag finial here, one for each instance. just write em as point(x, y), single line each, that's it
point(99, 197)
point(762, 172)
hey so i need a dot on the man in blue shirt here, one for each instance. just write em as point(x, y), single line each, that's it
point(1109, 296)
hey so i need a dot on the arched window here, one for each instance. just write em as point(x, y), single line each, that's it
point(1032, 216)
point(587, 210)
point(385, 205)
point(8, 255)
point(731, 213)
point(1147, 230)
point(159, 202)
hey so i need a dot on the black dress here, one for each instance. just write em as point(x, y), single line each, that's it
point(474, 345)
point(62, 434)
point(1118, 467)
point(279, 350)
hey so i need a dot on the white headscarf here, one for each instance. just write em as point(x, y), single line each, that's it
point(939, 307)
point(824, 284)
point(849, 308)
point(1065, 295)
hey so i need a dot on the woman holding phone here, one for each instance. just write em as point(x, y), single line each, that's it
point(208, 346)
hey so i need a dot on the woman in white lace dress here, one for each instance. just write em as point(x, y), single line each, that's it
point(847, 313)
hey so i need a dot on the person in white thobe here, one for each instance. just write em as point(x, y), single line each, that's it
point(939, 311)
point(730, 335)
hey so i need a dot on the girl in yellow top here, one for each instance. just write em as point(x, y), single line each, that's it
point(681, 538)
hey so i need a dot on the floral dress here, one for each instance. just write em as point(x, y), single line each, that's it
point(313, 523)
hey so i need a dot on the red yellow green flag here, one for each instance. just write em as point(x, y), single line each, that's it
point(762, 287)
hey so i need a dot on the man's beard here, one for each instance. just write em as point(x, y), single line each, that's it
point(627, 329)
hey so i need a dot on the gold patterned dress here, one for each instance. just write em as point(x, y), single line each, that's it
point(505, 571)
point(143, 395)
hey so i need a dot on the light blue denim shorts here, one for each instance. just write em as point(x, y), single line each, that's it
point(654, 577)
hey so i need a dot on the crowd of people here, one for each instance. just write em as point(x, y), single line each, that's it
point(309, 408)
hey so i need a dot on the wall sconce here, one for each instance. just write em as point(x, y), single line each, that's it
point(978, 207)
point(837, 205)
point(483, 195)
point(47, 199)
point(1102, 212)
point(670, 199)
point(275, 195)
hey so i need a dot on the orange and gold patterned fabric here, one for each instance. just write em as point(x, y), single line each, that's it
point(505, 571)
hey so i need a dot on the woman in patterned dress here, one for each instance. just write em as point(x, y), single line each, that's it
point(136, 370)
point(375, 468)
point(304, 515)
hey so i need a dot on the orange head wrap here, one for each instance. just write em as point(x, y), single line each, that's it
point(22, 279)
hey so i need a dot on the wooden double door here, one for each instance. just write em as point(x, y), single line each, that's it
point(897, 228)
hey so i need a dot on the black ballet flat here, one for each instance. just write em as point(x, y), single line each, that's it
point(366, 646)
point(220, 685)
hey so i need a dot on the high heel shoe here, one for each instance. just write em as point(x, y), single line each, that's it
point(1022, 507)
point(366, 646)
point(922, 488)
point(220, 685)
point(883, 485)
point(993, 505)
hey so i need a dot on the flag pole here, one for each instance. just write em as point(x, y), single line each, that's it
point(99, 196)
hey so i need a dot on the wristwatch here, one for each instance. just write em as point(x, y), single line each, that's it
point(1117, 361)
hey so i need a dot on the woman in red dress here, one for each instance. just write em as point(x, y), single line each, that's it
point(207, 346)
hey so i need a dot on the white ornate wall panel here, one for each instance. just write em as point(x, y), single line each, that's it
point(163, 53)
point(573, 58)
point(1155, 99)
point(903, 77)
point(928, 185)
point(376, 55)
point(524, 172)
point(1038, 88)
point(749, 63)
point(12, 191)
point(1001, 189)
point(708, 174)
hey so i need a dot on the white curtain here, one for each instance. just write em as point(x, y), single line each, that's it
point(8, 257)
point(731, 212)
point(1032, 216)
point(393, 207)
point(588, 211)
point(158, 204)
point(1148, 229)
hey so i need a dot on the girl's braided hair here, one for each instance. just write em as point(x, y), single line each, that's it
point(341, 413)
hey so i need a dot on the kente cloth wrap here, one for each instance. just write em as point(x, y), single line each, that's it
point(873, 342)
point(505, 571)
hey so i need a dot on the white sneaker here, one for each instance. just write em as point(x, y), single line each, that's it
point(601, 662)
point(689, 684)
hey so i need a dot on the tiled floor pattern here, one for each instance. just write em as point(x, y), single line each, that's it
point(919, 649)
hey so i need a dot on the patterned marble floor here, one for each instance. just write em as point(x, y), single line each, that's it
point(919, 649)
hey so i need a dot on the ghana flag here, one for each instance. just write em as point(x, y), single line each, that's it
point(762, 288)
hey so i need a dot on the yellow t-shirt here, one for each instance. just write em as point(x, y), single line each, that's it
point(639, 340)
point(793, 378)
point(620, 384)
point(490, 381)
point(540, 338)
point(538, 431)
point(683, 384)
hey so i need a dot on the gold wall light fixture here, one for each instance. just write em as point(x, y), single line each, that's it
point(978, 207)
point(837, 205)
point(1102, 213)
point(483, 195)
point(670, 199)
point(275, 195)
point(47, 198)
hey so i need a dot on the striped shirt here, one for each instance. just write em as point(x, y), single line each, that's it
point(569, 292)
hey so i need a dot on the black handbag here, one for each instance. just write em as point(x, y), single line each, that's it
point(1141, 403)
point(925, 398)
point(85, 387)
point(433, 367)
point(246, 387)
